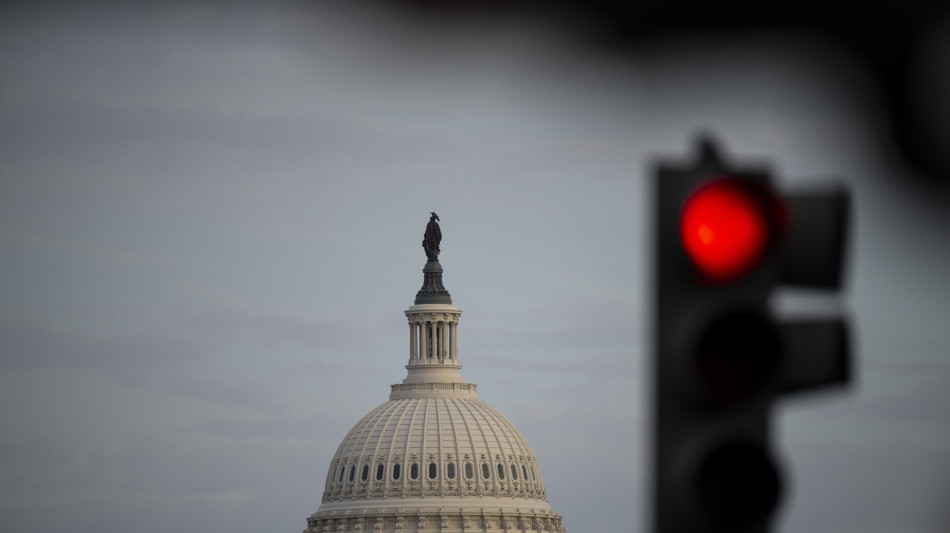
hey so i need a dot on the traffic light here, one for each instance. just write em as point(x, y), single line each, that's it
point(725, 239)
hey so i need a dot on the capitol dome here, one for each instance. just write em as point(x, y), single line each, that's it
point(434, 457)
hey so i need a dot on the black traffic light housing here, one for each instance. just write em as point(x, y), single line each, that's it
point(725, 239)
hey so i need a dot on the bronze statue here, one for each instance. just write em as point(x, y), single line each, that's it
point(432, 238)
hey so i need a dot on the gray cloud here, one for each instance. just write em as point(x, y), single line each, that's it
point(270, 328)
point(29, 342)
point(210, 219)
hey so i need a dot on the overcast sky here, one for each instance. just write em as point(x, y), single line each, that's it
point(210, 225)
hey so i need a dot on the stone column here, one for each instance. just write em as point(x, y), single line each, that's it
point(413, 341)
point(424, 331)
point(455, 338)
point(420, 335)
point(445, 339)
point(430, 339)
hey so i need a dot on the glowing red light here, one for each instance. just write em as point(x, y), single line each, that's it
point(725, 230)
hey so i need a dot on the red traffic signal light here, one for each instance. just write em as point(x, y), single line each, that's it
point(726, 239)
point(726, 227)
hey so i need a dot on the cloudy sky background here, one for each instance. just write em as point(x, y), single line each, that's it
point(210, 224)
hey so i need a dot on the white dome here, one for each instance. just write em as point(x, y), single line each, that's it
point(434, 457)
point(439, 450)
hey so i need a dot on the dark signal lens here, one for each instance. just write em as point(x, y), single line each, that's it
point(736, 358)
point(739, 485)
point(725, 228)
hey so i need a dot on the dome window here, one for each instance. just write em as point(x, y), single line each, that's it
point(450, 470)
point(486, 472)
point(501, 471)
point(469, 471)
point(433, 470)
point(379, 472)
point(342, 470)
point(414, 471)
point(514, 473)
point(396, 471)
point(533, 477)
point(365, 474)
point(352, 473)
point(524, 471)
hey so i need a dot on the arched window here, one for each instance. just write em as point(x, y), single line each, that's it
point(533, 477)
point(433, 470)
point(450, 470)
point(525, 472)
point(514, 473)
point(379, 471)
point(365, 474)
point(486, 472)
point(469, 471)
point(501, 471)
point(352, 473)
point(342, 470)
point(396, 471)
point(414, 471)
